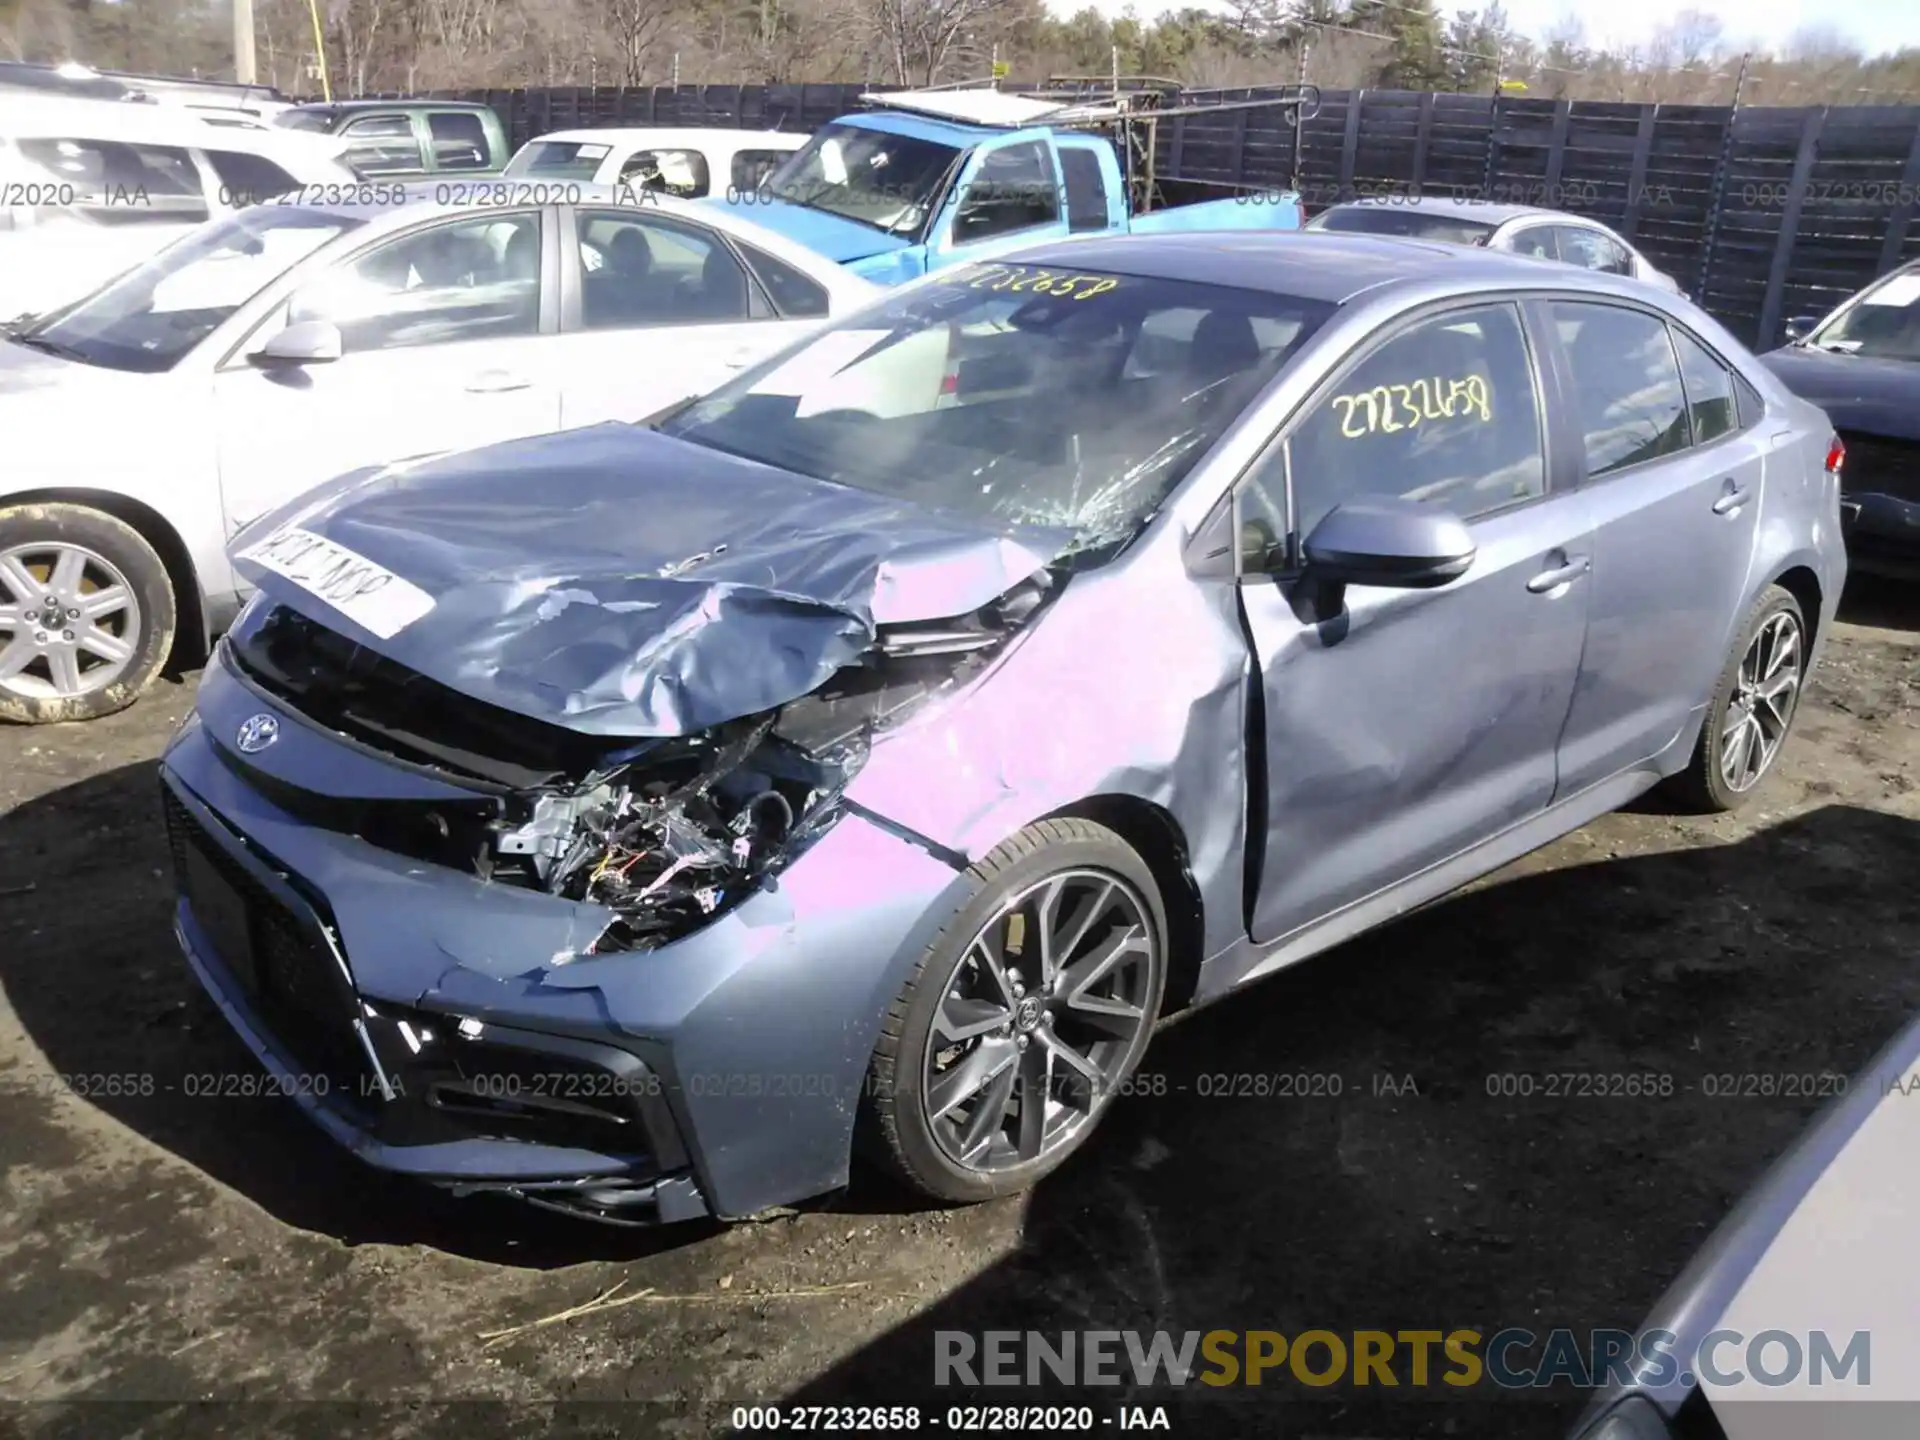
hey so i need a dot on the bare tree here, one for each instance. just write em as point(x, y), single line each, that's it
point(636, 27)
point(917, 37)
point(1696, 37)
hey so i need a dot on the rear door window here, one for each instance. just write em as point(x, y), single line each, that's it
point(1629, 400)
point(1591, 250)
point(1709, 386)
point(459, 140)
point(1086, 189)
point(640, 269)
point(1535, 240)
point(382, 144)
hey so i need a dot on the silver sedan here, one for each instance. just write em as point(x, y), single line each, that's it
point(1517, 229)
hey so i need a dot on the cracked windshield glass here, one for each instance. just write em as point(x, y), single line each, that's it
point(1015, 394)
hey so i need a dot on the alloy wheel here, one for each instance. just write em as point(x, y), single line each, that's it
point(1042, 1016)
point(1765, 692)
point(69, 621)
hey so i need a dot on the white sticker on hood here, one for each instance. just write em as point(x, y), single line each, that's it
point(373, 598)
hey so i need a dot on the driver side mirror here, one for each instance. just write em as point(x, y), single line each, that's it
point(1800, 327)
point(309, 342)
point(1387, 542)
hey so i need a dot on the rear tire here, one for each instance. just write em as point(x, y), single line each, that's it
point(1024, 1018)
point(87, 614)
point(1753, 707)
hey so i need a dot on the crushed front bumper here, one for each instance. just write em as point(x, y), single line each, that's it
point(450, 1029)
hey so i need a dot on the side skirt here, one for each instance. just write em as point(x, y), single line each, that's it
point(1248, 960)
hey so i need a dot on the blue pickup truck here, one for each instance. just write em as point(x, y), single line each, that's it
point(931, 179)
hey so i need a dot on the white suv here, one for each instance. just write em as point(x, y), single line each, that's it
point(89, 188)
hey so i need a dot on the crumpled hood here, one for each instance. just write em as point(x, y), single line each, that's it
point(622, 583)
point(1858, 392)
point(833, 236)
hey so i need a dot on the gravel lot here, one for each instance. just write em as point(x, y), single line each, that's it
point(160, 1249)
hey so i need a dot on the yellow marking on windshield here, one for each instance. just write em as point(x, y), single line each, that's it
point(1384, 409)
point(1026, 280)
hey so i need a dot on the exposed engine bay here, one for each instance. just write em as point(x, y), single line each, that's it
point(673, 831)
point(667, 832)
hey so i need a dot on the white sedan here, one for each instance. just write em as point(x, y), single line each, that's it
point(289, 343)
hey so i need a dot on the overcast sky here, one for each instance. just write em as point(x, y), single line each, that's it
point(1871, 24)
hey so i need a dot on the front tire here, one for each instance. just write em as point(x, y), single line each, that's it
point(1753, 707)
point(87, 614)
point(1024, 1017)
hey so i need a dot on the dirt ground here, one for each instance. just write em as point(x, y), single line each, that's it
point(175, 1264)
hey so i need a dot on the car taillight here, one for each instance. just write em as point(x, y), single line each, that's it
point(1836, 455)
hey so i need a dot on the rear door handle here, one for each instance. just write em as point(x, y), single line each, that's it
point(495, 382)
point(740, 359)
point(1731, 501)
point(1560, 575)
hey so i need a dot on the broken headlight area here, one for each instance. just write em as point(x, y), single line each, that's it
point(666, 833)
point(672, 832)
point(677, 831)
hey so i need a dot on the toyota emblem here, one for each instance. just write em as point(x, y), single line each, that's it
point(257, 733)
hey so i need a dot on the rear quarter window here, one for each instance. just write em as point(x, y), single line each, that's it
point(793, 293)
point(247, 179)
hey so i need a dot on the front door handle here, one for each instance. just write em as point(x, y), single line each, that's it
point(1731, 499)
point(1549, 580)
point(740, 359)
point(496, 382)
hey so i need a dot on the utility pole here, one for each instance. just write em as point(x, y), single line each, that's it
point(243, 63)
point(1293, 116)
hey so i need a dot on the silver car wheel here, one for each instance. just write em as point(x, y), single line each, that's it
point(1765, 693)
point(69, 621)
point(1041, 1019)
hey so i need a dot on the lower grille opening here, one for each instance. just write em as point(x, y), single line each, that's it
point(289, 976)
point(453, 1082)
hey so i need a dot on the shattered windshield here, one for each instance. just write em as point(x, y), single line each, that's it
point(878, 178)
point(1883, 323)
point(1011, 393)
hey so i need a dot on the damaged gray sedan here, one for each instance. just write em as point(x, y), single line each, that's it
point(641, 819)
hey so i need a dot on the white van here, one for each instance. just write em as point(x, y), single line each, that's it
point(690, 163)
